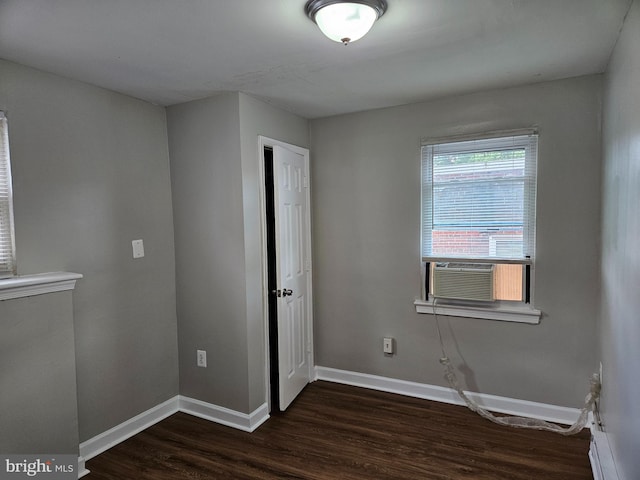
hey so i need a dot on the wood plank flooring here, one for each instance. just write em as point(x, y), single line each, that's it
point(334, 431)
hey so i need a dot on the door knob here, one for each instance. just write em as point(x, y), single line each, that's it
point(285, 292)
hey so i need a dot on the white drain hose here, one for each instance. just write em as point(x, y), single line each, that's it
point(518, 422)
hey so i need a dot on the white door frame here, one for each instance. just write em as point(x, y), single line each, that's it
point(269, 142)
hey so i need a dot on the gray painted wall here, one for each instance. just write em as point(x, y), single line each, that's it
point(366, 207)
point(213, 147)
point(38, 407)
point(90, 174)
point(206, 176)
point(620, 330)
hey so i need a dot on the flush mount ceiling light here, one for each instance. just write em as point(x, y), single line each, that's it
point(345, 21)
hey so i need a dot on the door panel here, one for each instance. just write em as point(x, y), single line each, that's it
point(291, 239)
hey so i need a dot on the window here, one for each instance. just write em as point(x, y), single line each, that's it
point(7, 244)
point(478, 209)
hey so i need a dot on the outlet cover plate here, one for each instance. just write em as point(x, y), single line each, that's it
point(202, 358)
point(138, 248)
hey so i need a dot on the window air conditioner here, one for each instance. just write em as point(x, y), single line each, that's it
point(463, 281)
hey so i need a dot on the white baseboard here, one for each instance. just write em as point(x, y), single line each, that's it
point(510, 406)
point(82, 470)
point(225, 416)
point(104, 441)
point(602, 464)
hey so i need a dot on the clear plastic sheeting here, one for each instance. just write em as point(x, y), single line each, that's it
point(524, 422)
point(518, 422)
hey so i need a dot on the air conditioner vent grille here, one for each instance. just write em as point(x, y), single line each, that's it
point(463, 281)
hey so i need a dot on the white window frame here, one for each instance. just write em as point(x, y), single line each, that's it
point(516, 311)
point(7, 233)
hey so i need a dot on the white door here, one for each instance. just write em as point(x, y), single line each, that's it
point(292, 241)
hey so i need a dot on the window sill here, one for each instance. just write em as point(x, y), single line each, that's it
point(39, 284)
point(504, 313)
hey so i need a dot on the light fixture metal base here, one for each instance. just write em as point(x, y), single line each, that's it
point(313, 6)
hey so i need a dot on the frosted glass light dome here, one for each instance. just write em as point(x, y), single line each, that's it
point(345, 22)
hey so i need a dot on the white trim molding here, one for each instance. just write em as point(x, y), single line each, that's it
point(510, 406)
point(104, 441)
point(602, 463)
point(504, 313)
point(82, 470)
point(231, 418)
point(224, 416)
point(39, 284)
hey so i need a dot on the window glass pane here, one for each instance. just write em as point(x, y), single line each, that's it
point(478, 198)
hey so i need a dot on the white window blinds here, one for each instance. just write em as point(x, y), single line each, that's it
point(7, 244)
point(478, 199)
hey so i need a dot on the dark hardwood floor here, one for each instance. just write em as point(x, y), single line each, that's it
point(339, 432)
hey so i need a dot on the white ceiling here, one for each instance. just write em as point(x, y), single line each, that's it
point(173, 51)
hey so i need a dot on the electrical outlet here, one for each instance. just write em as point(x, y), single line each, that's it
point(387, 345)
point(202, 358)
